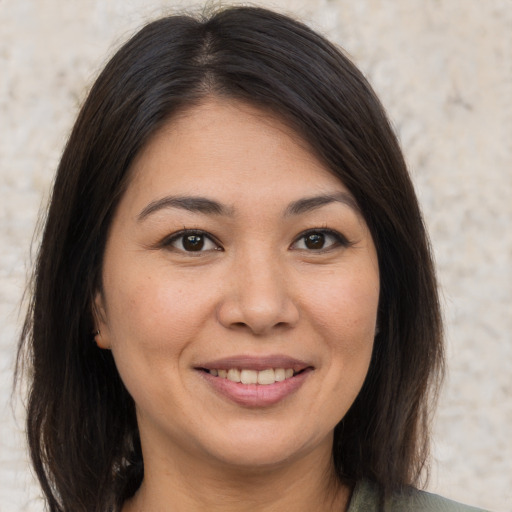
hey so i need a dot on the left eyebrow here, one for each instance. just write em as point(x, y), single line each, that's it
point(312, 203)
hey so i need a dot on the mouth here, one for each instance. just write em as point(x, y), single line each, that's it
point(255, 382)
point(265, 377)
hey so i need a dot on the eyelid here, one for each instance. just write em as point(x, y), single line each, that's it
point(341, 240)
point(167, 242)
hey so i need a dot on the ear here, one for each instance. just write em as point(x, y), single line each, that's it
point(101, 330)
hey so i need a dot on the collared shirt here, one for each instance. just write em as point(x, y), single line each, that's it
point(365, 498)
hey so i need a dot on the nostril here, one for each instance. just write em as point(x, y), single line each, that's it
point(257, 312)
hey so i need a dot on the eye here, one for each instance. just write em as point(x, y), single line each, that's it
point(318, 240)
point(191, 241)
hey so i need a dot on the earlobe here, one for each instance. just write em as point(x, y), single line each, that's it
point(101, 333)
point(100, 341)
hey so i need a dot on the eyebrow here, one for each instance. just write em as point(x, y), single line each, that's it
point(312, 203)
point(190, 203)
point(207, 206)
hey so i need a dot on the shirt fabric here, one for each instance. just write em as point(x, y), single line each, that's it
point(365, 498)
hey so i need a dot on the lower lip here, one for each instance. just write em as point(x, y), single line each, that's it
point(256, 395)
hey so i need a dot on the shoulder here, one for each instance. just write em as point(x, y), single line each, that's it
point(366, 498)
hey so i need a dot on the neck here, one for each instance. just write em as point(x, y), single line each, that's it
point(180, 484)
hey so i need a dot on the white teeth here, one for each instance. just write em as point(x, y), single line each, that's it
point(280, 374)
point(266, 377)
point(234, 375)
point(263, 377)
point(249, 377)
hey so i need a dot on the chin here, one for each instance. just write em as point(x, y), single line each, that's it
point(257, 448)
point(248, 458)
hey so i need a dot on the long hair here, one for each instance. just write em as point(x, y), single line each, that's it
point(81, 423)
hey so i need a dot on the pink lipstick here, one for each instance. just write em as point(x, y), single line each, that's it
point(255, 381)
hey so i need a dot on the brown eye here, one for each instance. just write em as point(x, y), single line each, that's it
point(193, 242)
point(320, 240)
point(188, 241)
point(314, 241)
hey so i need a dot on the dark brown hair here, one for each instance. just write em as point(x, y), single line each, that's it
point(81, 422)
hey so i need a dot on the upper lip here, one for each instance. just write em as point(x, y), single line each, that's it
point(258, 363)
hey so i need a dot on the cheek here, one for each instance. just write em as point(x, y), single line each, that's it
point(346, 305)
point(344, 311)
point(151, 318)
point(152, 322)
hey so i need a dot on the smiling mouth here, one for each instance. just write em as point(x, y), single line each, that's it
point(264, 377)
point(255, 382)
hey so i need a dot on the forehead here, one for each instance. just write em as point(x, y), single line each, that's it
point(231, 143)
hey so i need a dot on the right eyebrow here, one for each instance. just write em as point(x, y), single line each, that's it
point(195, 204)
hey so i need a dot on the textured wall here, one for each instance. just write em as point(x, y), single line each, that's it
point(443, 68)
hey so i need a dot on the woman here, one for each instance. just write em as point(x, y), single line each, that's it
point(235, 304)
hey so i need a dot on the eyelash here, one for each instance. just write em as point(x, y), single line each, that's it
point(339, 240)
point(175, 237)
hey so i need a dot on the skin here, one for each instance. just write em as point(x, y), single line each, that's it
point(255, 289)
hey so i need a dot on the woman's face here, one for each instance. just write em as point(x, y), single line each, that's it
point(235, 255)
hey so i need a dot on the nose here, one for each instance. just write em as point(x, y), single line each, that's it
point(258, 297)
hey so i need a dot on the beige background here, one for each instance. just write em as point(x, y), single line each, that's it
point(443, 68)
